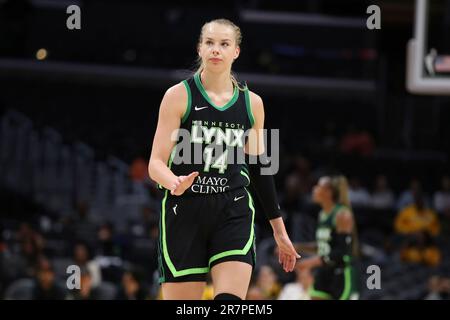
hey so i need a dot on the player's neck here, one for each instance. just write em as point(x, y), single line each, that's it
point(216, 82)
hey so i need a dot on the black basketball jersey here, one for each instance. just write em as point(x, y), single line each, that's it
point(211, 140)
point(326, 234)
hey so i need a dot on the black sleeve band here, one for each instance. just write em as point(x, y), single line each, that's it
point(264, 186)
point(342, 249)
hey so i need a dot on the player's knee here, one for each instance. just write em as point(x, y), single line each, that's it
point(226, 296)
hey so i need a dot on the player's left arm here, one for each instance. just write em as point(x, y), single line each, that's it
point(344, 229)
point(343, 247)
point(265, 185)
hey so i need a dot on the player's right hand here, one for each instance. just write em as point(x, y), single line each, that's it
point(182, 183)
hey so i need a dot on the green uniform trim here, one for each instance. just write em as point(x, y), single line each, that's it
point(175, 272)
point(245, 175)
point(248, 104)
point(184, 272)
point(249, 243)
point(205, 95)
point(162, 277)
point(348, 285)
point(348, 281)
point(189, 102)
point(169, 263)
point(325, 217)
point(313, 293)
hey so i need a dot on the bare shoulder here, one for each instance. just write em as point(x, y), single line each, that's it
point(175, 98)
point(177, 92)
point(255, 99)
point(257, 107)
point(344, 220)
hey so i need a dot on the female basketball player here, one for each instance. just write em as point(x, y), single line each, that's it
point(335, 245)
point(207, 214)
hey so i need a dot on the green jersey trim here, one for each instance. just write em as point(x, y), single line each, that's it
point(245, 175)
point(248, 105)
point(189, 102)
point(205, 95)
point(319, 294)
point(347, 283)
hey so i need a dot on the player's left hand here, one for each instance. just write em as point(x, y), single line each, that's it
point(287, 255)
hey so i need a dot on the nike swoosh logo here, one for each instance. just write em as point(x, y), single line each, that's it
point(238, 198)
point(199, 108)
point(175, 209)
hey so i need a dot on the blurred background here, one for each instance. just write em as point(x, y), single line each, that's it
point(78, 111)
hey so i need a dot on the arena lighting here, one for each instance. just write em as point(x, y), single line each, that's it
point(41, 54)
point(416, 80)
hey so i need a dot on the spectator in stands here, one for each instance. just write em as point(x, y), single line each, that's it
point(298, 290)
point(81, 225)
point(145, 223)
point(438, 288)
point(139, 170)
point(110, 253)
point(255, 293)
point(46, 287)
point(268, 283)
point(418, 226)
point(382, 196)
point(131, 288)
point(31, 249)
point(82, 258)
point(107, 242)
point(12, 265)
point(359, 196)
point(407, 197)
point(441, 199)
point(86, 292)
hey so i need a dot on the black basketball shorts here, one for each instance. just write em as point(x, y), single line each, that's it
point(337, 283)
point(200, 231)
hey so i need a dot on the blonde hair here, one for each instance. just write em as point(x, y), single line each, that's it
point(339, 184)
point(238, 39)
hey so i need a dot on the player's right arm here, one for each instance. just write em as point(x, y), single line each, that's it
point(171, 111)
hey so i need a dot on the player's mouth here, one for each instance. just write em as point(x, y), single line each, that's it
point(215, 60)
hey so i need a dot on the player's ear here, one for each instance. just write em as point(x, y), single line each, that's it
point(237, 52)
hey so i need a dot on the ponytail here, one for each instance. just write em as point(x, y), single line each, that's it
point(340, 190)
